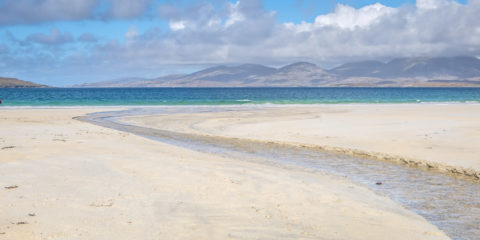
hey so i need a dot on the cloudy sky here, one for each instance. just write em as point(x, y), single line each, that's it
point(64, 42)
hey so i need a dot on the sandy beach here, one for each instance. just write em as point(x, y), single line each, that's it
point(239, 120)
point(441, 136)
point(66, 179)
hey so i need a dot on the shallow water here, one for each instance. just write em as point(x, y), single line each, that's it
point(452, 203)
point(229, 96)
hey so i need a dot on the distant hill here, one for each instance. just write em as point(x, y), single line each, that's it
point(400, 72)
point(121, 82)
point(16, 83)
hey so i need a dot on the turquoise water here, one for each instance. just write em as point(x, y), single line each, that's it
point(226, 96)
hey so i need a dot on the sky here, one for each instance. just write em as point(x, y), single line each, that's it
point(67, 42)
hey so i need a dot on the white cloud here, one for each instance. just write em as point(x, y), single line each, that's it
point(429, 4)
point(348, 17)
point(235, 14)
point(177, 25)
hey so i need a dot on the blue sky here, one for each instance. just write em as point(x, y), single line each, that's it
point(65, 42)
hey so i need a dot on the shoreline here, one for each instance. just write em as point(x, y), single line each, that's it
point(268, 104)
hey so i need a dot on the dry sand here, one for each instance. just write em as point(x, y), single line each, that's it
point(74, 180)
point(443, 136)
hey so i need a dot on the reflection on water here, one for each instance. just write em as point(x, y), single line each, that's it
point(450, 202)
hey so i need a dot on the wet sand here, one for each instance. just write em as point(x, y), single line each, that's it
point(441, 136)
point(63, 178)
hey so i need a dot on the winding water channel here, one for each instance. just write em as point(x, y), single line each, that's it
point(452, 203)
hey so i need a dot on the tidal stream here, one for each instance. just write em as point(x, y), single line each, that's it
point(452, 203)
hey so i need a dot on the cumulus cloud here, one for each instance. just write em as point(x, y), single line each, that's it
point(55, 37)
point(429, 4)
point(177, 25)
point(235, 15)
point(36, 11)
point(348, 17)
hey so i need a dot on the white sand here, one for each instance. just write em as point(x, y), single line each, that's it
point(446, 136)
point(86, 182)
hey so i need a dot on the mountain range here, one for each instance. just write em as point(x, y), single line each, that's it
point(399, 72)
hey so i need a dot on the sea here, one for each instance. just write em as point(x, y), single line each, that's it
point(230, 96)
